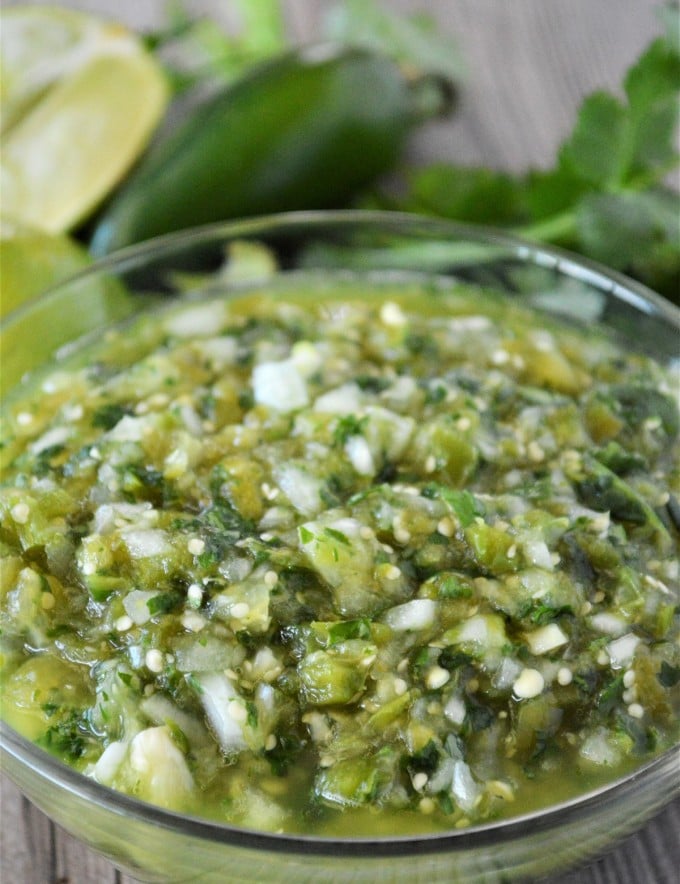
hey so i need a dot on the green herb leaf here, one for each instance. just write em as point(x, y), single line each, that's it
point(478, 717)
point(252, 717)
point(598, 149)
point(349, 629)
point(652, 86)
point(284, 753)
point(68, 737)
point(347, 426)
point(465, 505)
point(610, 696)
point(541, 614)
point(107, 416)
point(553, 192)
point(451, 587)
point(669, 675)
point(477, 195)
point(604, 197)
point(426, 760)
point(630, 231)
point(451, 658)
point(334, 534)
point(306, 536)
point(163, 602)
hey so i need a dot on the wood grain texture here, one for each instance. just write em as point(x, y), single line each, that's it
point(530, 62)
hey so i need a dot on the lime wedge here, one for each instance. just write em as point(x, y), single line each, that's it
point(32, 261)
point(80, 98)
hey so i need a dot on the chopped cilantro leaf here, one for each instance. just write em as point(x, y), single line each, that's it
point(347, 426)
point(306, 536)
point(349, 629)
point(337, 535)
point(107, 416)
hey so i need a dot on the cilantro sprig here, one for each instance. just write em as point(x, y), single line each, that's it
point(605, 197)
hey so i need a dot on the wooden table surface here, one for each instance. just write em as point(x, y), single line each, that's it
point(529, 63)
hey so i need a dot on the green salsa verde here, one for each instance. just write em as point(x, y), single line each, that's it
point(358, 558)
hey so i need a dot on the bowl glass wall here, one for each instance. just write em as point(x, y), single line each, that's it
point(155, 845)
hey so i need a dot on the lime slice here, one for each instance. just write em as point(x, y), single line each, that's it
point(32, 261)
point(80, 99)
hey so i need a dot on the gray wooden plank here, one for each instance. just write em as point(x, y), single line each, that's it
point(76, 864)
point(530, 63)
point(35, 851)
point(651, 856)
point(27, 840)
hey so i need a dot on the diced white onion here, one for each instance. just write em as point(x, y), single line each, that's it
point(301, 488)
point(206, 655)
point(455, 710)
point(414, 615)
point(388, 433)
point(469, 323)
point(235, 570)
point(348, 526)
point(55, 436)
point(160, 709)
point(507, 674)
point(264, 694)
point(217, 693)
point(200, 321)
point(442, 778)
point(306, 358)
point(276, 517)
point(360, 456)
point(279, 385)
point(109, 761)
point(106, 515)
point(266, 666)
point(343, 400)
point(538, 554)
point(145, 543)
point(608, 623)
point(137, 607)
point(464, 788)
point(163, 775)
point(317, 724)
point(391, 314)
point(475, 629)
point(621, 650)
point(401, 391)
point(191, 420)
point(546, 639)
point(598, 749)
point(220, 351)
point(129, 429)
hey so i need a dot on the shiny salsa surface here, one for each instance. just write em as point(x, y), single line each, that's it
point(354, 559)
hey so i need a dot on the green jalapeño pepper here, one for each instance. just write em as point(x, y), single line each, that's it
point(306, 130)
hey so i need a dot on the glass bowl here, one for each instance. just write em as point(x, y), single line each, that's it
point(157, 845)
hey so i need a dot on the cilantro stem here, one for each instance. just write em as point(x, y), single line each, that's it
point(563, 226)
point(557, 228)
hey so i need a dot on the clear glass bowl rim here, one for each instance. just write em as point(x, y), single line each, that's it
point(559, 260)
point(549, 257)
point(465, 839)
